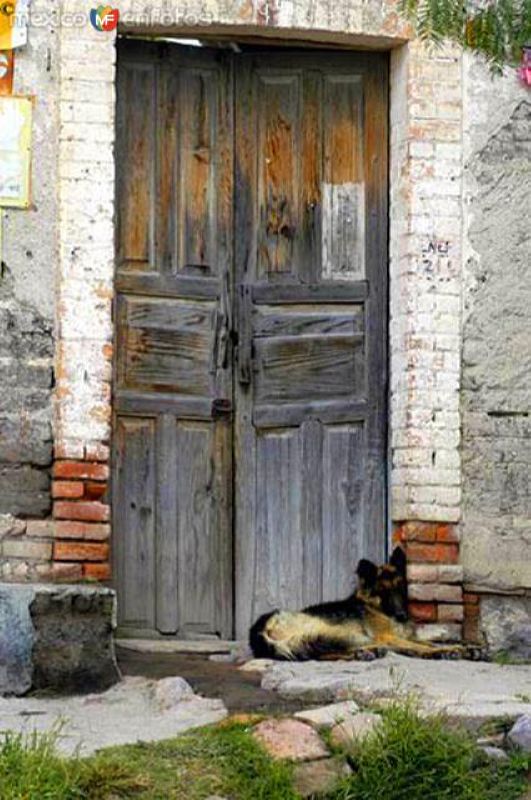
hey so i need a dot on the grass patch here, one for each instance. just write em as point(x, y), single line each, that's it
point(31, 769)
point(221, 760)
point(409, 757)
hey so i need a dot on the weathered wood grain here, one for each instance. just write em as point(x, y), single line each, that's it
point(308, 429)
point(173, 340)
point(134, 519)
point(250, 387)
point(136, 179)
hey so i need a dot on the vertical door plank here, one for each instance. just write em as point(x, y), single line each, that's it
point(167, 555)
point(198, 554)
point(279, 552)
point(343, 246)
point(136, 172)
point(223, 529)
point(312, 511)
point(198, 121)
point(168, 161)
point(343, 507)
point(134, 519)
point(309, 256)
point(279, 99)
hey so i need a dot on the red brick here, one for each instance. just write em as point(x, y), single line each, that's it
point(85, 511)
point(70, 489)
point(471, 632)
point(420, 531)
point(472, 612)
point(447, 533)
point(100, 572)
point(60, 572)
point(423, 612)
point(80, 551)
point(449, 613)
point(437, 553)
point(95, 491)
point(399, 534)
point(88, 531)
point(81, 469)
point(469, 598)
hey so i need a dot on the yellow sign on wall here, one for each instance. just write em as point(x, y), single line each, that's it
point(15, 151)
point(13, 23)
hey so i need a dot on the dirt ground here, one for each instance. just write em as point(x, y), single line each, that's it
point(239, 690)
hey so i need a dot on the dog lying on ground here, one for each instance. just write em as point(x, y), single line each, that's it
point(371, 620)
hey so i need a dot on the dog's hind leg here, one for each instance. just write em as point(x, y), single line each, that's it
point(423, 649)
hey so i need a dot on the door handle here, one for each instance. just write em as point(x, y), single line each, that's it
point(245, 334)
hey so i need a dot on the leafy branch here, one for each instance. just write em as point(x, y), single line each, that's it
point(498, 29)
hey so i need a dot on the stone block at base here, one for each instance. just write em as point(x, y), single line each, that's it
point(57, 637)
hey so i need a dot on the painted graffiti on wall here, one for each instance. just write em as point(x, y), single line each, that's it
point(432, 250)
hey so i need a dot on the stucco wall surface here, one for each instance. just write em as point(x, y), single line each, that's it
point(496, 360)
point(27, 293)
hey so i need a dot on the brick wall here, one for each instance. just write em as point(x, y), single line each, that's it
point(425, 272)
point(435, 578)
point(82, 513)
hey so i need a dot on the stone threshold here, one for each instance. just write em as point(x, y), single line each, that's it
point(196, 646)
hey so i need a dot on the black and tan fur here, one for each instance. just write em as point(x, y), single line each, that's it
point(373, 618)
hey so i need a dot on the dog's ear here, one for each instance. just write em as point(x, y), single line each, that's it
point(367, 572)
point(398, 560)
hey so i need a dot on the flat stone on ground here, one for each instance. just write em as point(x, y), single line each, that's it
point(308, 685)
point(290, 739)
point(470, 691)
point(319, 777)
point(258, 665)
point(135, 710)
point(330, 715)
point(353, 729)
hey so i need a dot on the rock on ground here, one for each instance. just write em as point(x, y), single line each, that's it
point(56, 637)
point(319, 777)
point(520, 733)
point(137, 709)
point(328, 716)
point(290, 739)
point(495, 753)
point(354, 729)
point(466, 690)
point(505, 623)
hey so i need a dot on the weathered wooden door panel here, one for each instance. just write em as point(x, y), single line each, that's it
point(173, 391)
point(298, 404)
point(311, 139)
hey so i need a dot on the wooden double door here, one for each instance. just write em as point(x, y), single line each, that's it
point(250, 379)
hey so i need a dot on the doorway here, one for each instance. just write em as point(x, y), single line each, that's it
point(250, 385)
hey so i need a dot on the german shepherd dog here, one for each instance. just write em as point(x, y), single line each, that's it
point(372, 619)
